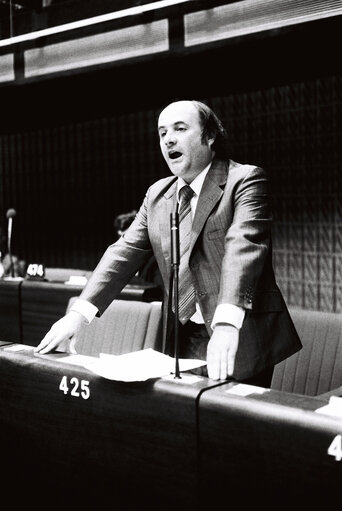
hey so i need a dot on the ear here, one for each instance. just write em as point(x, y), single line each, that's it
point(210, 140)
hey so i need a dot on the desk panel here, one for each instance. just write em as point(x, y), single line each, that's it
point(136, 441)
point(10, 324)
point(160, 444)
point(269, 448)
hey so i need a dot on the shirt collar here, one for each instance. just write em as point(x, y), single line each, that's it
point(196, 184)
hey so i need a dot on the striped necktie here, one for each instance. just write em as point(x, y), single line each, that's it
point(186, 307)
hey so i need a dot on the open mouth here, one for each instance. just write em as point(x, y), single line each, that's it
point(173, 155)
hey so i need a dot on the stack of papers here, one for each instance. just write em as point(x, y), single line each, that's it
point(135, 366)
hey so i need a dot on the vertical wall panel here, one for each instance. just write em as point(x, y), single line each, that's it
point(294, 131)
point(68, 182)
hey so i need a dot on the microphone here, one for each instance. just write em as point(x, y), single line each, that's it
point(10, 215)
point(174, 219)
point(174, 223)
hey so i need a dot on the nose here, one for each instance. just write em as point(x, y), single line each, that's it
point(169, 139)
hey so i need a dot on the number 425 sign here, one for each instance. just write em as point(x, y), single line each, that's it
point(75, 387)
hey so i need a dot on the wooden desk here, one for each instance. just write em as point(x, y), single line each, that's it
point(133, 443)
point(160, 444)
point(269, 448)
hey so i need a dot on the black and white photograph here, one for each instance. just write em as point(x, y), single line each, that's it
point(170, 254)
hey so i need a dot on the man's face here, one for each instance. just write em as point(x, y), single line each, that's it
point(180, 136)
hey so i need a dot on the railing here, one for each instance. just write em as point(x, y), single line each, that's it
point(19, 17)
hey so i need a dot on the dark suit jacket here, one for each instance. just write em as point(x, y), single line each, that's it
point(230, 259)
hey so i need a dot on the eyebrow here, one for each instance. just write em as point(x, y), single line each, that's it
point(177, 123)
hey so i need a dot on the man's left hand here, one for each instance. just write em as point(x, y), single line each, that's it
point(221, 351)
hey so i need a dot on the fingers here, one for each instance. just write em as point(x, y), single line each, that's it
point(63, 330)
point(43, 343)
point(214, 365)
point(230, 362)
point(221, 352)
point(218, 366)
point(72, 346)
point(49, 342)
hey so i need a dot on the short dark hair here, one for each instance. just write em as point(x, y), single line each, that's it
point(212, 127)
point(124, 220)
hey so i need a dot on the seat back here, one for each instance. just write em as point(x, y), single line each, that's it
point(317, 367)
point(125, 326)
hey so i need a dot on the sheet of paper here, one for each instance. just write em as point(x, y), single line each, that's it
point(78, 360)
point(333, 408)
point(18, 347)
point(76, 280)
point(241, 389)
point(138, 365)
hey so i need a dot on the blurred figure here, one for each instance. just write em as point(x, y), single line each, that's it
point(2, 270)
point(149, 273)
point(19, 267)
point(123, 221)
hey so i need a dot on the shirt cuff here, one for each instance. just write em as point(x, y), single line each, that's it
point(230, 314)
point(87, 309)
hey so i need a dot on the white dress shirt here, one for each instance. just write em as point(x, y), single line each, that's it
point(224, 313)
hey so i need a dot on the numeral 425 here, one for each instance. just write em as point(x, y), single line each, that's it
point(75, 387)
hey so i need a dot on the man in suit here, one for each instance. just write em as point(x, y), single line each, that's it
point(236, 319)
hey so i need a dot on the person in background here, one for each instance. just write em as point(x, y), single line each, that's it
point(149, 273)
point(19, 267)
point(123, 221)
point(2, 270)
point(6, 262)
point(231, 311)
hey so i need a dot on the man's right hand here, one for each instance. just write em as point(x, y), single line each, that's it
point(65, 329)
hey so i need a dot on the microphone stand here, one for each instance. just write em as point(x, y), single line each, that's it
point(9, 246)
point(10, 215)
point(174, 221)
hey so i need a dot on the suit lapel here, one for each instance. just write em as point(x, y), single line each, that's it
point(211, 193)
